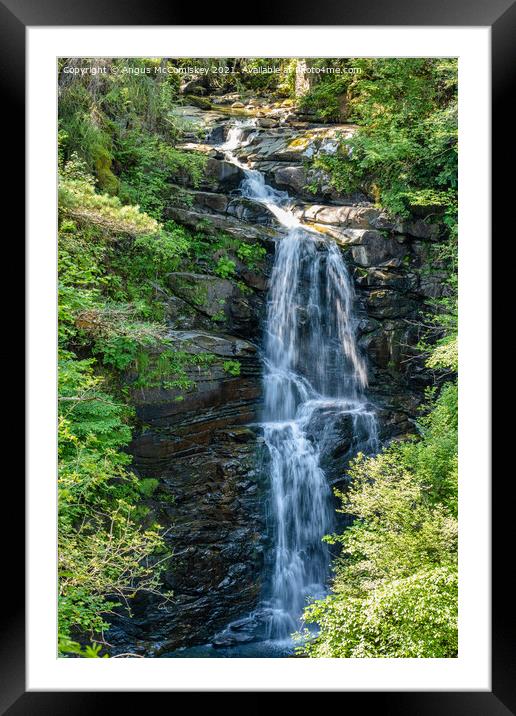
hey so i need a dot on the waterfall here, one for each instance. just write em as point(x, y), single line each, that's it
point(313, 371)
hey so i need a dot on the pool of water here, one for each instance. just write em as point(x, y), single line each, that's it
point(255, 650)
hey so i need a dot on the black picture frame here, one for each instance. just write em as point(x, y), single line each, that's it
point(500, 16)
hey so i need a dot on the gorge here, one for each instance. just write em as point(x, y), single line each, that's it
point(322, 325)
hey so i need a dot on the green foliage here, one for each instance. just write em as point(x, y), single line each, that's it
point(149, 166)
point(219, 316)
point(170, 368)
point(120, 126)
point(225, 267)
point(105, 556)
point(326, 95)
point(79, 201)
point(84, 133)
point(412, 617)
point(232, 367)
point(117, 351)
point(148, 486)
point(113, 259)
point(113, 263)
point(251, 254)
point(445, 354)
point(90, 651)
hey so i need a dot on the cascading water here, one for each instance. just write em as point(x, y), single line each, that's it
point(312, 371)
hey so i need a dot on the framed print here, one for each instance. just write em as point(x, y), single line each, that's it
point(258, 266)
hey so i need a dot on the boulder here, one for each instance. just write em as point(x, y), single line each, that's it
point(220, 174)
point(200, 102)
point(213, 223)
point(267, 122)
point(197, 86)
point(291, 177)
point(210, 201)
point(222, 301)
point(206, 293)
point(375, 249)
point(356, 217)
point(253, 212)
point(420, 229)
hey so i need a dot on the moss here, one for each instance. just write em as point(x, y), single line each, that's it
point(168, 369)
point(200, 102)
point(300, 142)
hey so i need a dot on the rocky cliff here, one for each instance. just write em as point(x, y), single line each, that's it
point(203, 443)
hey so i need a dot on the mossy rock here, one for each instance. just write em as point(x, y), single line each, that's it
point(200, 102)
point(207, 294)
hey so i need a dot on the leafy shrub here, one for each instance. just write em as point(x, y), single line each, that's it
point(149, 167)
point(251, 254)
point(232, 367)
point(412, 617)
point(105, 557)
point(79, 201)
point(325, 98)
point(225, 267)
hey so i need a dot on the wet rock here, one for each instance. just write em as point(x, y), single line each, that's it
point(222, 174)
point(230, 638)
point(198, 444)
point(219, 134)
point(384, 346)
point(252, 212)
point(288, 144)
point(243, 631)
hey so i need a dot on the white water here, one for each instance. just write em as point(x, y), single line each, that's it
point(313, 376)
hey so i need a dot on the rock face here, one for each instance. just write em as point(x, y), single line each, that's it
point(209, 497)
point(201, 446)
point(202, 443)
